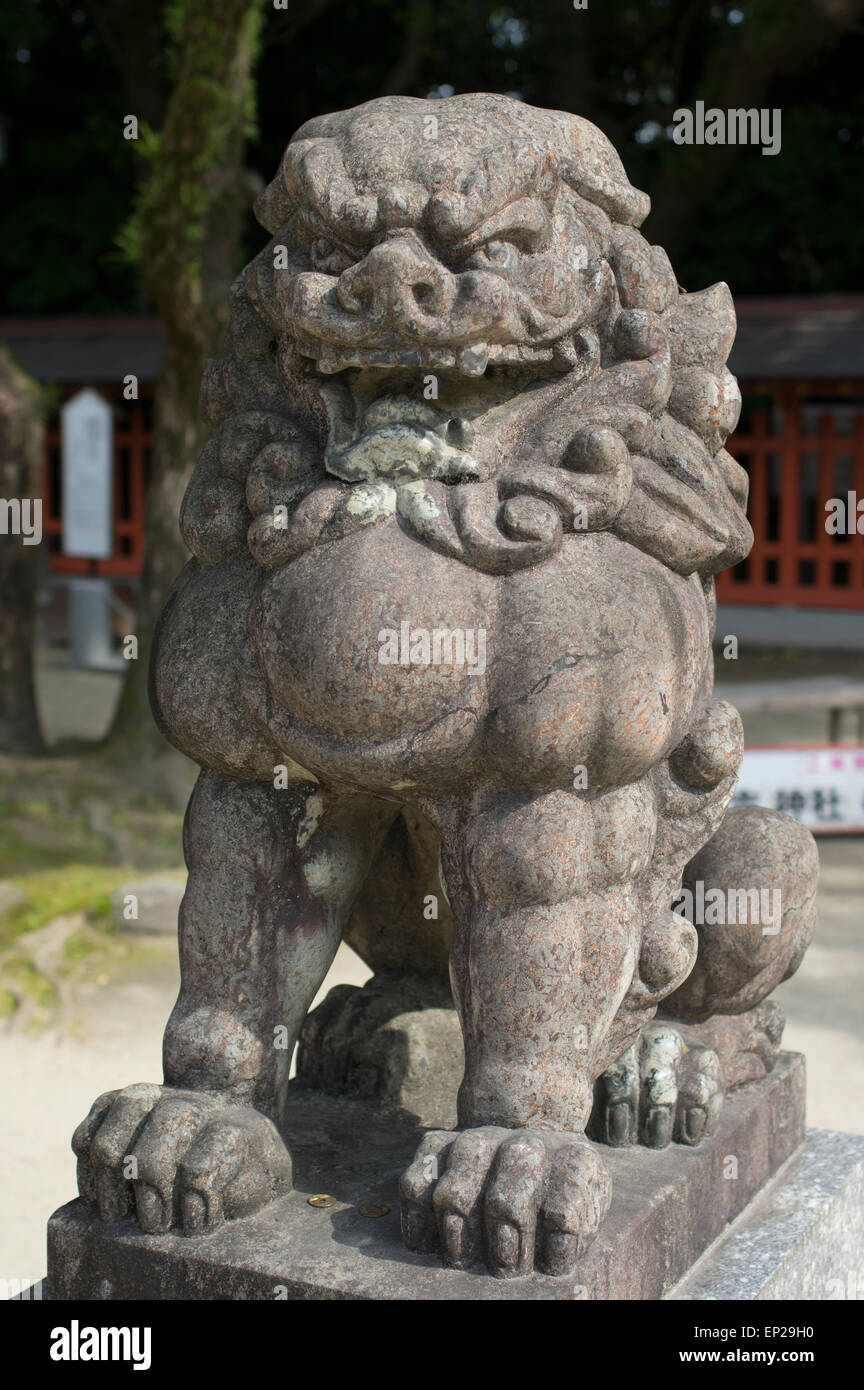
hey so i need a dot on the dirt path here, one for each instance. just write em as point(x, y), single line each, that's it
point(48, 1083)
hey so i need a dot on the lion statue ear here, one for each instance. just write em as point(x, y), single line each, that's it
point(592, 168)
point(621, 201)
point(273, 207)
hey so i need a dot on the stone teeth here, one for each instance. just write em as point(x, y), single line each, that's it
point(329, 363)
point(473, 360)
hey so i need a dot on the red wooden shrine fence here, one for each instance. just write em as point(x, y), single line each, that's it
point(795, 467)
point(793, 473)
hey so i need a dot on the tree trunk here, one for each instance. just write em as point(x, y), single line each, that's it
point(21, 459)
point(191, 214)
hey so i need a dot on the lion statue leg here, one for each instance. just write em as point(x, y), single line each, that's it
point(754, 886)
point(560, 903)
point(543, 950)
point(272, 876)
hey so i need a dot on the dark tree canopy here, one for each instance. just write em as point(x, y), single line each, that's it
point(790, 223)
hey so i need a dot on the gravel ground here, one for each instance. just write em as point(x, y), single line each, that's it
point(48, 1083)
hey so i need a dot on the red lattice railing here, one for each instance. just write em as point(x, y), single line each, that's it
point(794, 559)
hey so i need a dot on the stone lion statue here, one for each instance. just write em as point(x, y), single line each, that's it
point(451, 593)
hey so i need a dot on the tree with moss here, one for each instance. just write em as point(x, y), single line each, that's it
point(21, 452)
point(186, 236)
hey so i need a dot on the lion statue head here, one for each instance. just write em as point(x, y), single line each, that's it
point(457, 322)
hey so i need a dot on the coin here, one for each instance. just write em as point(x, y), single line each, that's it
point(321, 1199)
point(373, 1209)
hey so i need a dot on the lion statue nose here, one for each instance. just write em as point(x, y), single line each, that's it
point(399, 283)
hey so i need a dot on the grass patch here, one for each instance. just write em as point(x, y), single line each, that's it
point(71, 833)
point(19, 856)
point(22, 975)
point(78, 946)
point(57, 892)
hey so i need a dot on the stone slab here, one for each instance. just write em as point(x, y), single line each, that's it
point(802, 1237)
point(668, 1206)
point(158, 906)
point(805, 692)
point(779, 625)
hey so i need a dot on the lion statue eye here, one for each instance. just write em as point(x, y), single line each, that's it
point(503, 255)
point(496, 254)
point(327, 257)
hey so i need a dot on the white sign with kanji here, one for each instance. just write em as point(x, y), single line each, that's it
point(821, 786)
point(87, 429)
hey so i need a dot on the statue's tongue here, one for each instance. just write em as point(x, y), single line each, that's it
point(401, 452)
point(399, 438)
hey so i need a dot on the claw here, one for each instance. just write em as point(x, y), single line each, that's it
point(112, 1195)
point(221, 1159)
point(693, 1126)
point(418, 1227)
point(505, 1250)
point(196, 1217)
point(505, 1194)
point(151, 1210)
point(660, 1089)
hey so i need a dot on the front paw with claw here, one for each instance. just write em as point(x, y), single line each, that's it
point(659, 1090)
point(514, 1198)
point(178, 1158)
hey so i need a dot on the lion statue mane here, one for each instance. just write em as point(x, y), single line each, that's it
point(534, 275)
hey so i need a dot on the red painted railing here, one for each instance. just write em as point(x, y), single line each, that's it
point(795, 559)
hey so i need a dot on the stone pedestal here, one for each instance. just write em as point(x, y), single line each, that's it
point(668, 1207)
point(802, 1237)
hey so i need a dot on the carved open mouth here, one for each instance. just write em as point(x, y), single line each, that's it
point(471, 360)
point(380, 428)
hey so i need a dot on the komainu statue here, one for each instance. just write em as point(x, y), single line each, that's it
point(450, 611)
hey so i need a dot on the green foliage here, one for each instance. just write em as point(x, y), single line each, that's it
point(810, 252)
point(128, 238)
point(211, 103)
point(18, 853)
point(174, 15)
point(61, 892)
point(46, 834)
point(79, 946)
point(23, 978)
point(70, 181)
point(58, 874)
